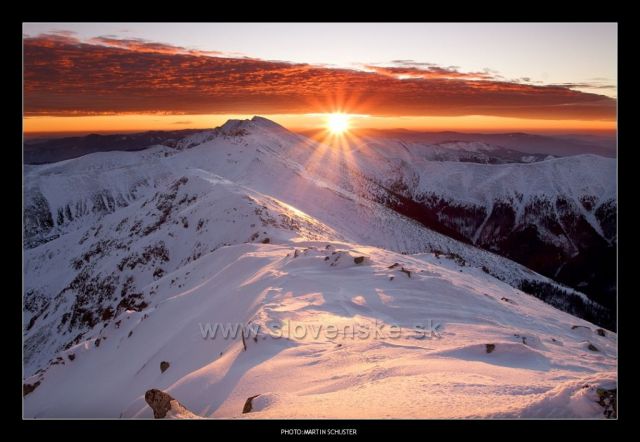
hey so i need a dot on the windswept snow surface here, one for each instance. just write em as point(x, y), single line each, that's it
point(337, 374)
point(346, 311)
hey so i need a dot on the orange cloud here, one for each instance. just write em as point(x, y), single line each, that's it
point(66, 76)
point(427, 71)
point(140, 45)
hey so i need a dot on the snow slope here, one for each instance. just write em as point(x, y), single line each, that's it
point(537, 350)
point(251, 224)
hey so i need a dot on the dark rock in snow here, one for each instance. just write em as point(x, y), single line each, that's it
point(248, 404)
point(28, 388)
point(159, 401)
point(358, 259)
point(490, 347)
point(573, 327)
point(164, 365)
point(608, 399)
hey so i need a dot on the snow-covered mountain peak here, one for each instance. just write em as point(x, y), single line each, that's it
point(266, 123)
point(245, 127)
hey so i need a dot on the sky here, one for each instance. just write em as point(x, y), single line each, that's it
point(101, 77)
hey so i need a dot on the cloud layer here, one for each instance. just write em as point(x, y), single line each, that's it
point(66, 76)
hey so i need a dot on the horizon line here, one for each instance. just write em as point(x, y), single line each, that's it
point(307, 130)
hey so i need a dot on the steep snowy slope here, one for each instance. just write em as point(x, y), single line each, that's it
point(89, 275)
point(128, 253)
point(67, 195)
point(556, 216)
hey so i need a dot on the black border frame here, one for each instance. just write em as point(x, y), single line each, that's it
point(245, 429)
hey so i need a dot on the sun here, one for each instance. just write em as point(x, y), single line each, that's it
point(338, 123)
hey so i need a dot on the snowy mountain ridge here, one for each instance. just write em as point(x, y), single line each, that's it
point(126, 253)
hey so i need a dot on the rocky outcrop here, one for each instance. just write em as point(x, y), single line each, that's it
point(165, 406)
point(28, 388)
point(248, 404)
point(159, 401)
point(608, 399)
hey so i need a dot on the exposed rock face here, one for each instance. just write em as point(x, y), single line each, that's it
point(164, 365)
point(565, 230)
point(159, 401)
point(554, 236)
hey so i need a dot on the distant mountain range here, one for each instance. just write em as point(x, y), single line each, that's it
point(50, 150)
point(557, 145)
